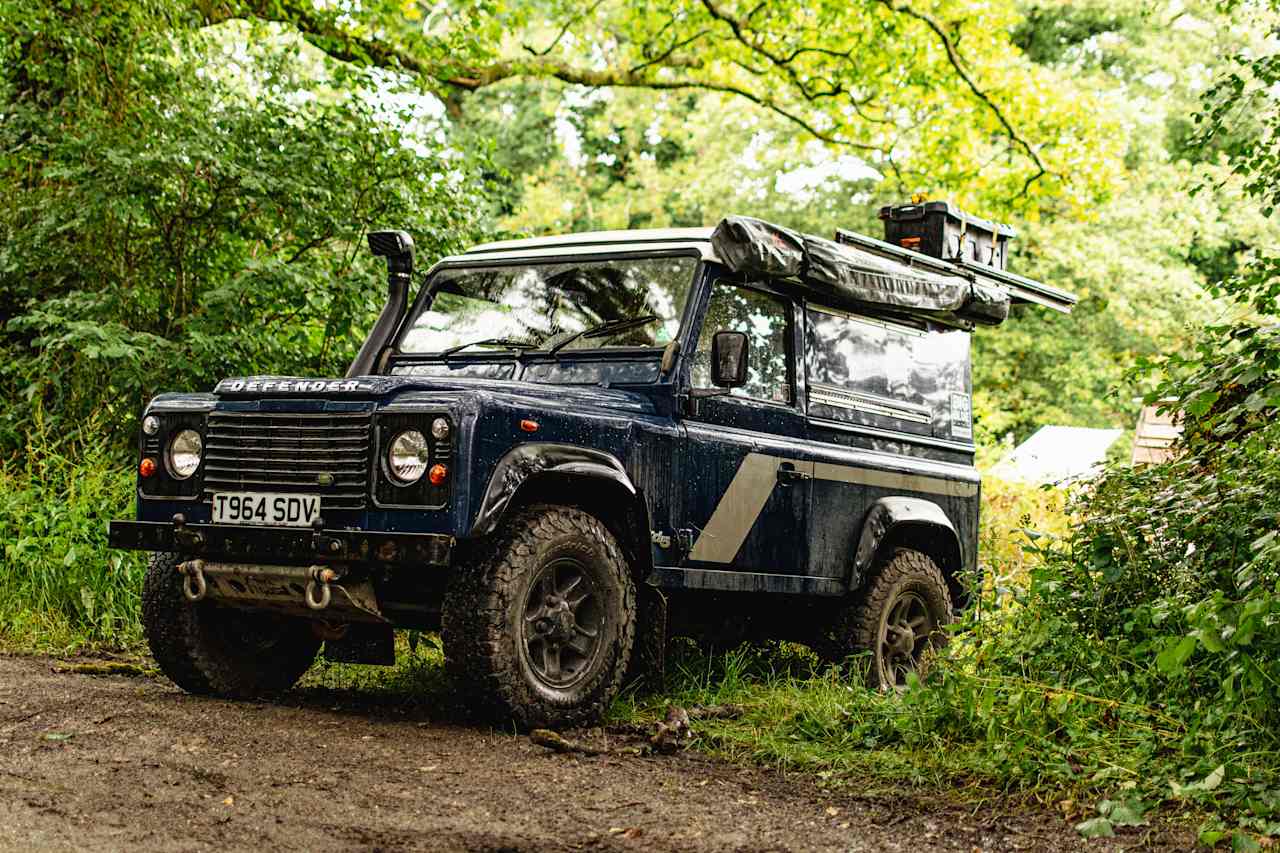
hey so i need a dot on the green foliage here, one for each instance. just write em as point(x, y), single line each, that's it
point(1013, 517)
point(1052, 33)
point(62, 587)
point(927, 93)
point(197, 212)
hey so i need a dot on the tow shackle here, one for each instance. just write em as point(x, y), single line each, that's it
point(318, 594)
point(194, 587)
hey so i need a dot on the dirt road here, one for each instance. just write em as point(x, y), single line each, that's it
point(130, 763)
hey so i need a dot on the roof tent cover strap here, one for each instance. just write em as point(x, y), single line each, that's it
point(851, 275)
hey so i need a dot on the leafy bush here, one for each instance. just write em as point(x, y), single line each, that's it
point(1013, 517)
point(62, 587)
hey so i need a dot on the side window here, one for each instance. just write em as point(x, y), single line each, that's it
point(888, 374)
point(766, 321)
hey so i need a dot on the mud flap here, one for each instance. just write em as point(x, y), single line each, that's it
point(363, 643)
point(649, 651)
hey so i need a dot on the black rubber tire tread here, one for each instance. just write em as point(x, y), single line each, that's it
point(856, 626)
point(189, 642)
point(481, 654)
point(167, 619)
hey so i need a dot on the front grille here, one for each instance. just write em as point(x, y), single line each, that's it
point(288, 452)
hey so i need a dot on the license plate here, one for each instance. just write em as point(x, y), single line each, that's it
point(267, 508)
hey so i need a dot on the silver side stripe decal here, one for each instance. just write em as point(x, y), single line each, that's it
point(894, 480)
point(755, 479)
point(738, 509)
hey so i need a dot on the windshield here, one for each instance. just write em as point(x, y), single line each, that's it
point(548, 306)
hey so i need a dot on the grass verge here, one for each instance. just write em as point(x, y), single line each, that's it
point(62, 590)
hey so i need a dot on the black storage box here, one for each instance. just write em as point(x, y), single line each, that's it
point(940, 230)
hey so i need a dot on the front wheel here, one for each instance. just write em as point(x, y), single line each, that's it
point(206, 649)
point(898, 619)
point(539, 627)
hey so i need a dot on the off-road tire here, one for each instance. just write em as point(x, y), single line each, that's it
point(858, 626)
point(206, 649)
point(485, 608)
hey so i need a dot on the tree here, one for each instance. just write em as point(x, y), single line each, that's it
point(934, 93)
point(176, 212)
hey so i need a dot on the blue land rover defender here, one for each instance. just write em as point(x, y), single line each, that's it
point(564, 449)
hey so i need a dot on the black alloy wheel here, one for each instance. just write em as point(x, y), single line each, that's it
point(909, 630)
point(562, 624)
point(896, 620)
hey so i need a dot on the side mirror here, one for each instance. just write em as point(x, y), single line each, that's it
point(729, 359)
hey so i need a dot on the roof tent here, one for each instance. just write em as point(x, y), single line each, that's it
point(859, 271)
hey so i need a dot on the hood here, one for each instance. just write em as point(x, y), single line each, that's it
point(403, 389)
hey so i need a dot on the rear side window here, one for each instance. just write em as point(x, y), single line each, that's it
point(889, 375)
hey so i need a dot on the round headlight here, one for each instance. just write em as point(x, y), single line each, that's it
point(407, 457)
point(440, 429)
point(184, 454)
point(151, 425)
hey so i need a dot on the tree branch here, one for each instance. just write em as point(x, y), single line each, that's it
point(666, 55)
point(953, 56)
point(565, 29)
point(329, 36)
point(324, 30)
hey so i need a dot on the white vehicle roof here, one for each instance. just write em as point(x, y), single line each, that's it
point(593, 243)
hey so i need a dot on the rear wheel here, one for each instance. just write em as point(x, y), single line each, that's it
point(539, 627)
point(207, 649)
point(898, 619)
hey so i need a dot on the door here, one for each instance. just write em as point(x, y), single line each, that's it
point(747, 487)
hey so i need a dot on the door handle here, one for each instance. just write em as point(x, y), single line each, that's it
point(787, 474)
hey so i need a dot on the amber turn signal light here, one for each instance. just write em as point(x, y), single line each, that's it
point(147, 467)
point(529, 426)
point(437, 475)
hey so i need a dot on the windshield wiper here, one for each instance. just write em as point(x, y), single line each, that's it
point(509, 343)
point(601, 330)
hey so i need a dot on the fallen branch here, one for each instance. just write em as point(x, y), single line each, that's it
point(105, 668)
point(558, 743)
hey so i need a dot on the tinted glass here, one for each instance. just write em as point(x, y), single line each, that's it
point(764, 320)
point(544, 304)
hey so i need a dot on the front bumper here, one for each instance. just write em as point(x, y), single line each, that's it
point(282, 544)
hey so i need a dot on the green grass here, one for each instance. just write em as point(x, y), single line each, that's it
point(61, 589)
point(953, 730)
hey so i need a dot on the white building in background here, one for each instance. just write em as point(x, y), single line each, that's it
point(1057, 454)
